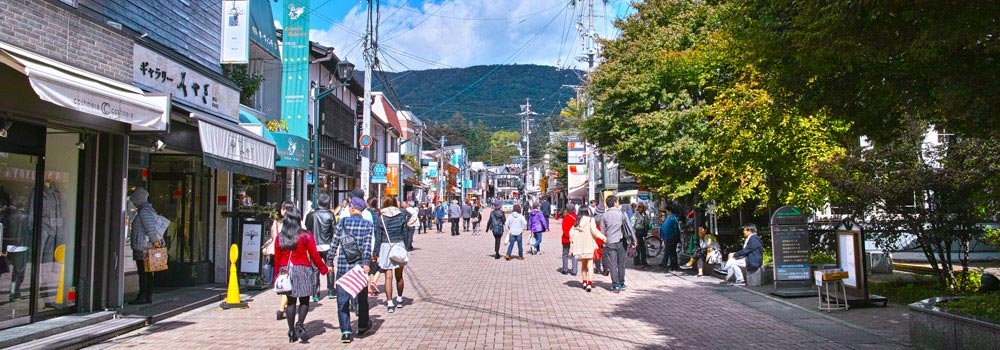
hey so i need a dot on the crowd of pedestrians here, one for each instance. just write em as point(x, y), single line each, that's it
point(357, 242)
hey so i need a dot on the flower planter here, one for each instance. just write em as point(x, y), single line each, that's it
point(934, 327)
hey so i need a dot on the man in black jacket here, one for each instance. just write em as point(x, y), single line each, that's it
point(751, 256)
point(321, 223)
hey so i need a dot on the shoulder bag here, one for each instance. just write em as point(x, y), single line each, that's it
point(348, 245)
point(397, 252)
point(283, 284)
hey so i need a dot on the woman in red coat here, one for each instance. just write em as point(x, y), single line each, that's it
point(296, 250)
point(567, 224)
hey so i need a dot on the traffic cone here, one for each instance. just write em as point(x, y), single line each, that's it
point(233, 292)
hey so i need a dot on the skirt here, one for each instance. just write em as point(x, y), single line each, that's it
point(384, 263)
point(303, 280)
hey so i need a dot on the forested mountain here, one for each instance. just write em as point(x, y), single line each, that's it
point(491, 94)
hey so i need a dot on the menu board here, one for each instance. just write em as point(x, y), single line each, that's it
point(791, 252)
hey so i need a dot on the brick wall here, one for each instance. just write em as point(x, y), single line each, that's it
point(52, 31)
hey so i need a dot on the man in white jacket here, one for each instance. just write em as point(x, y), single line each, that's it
point(515, 226)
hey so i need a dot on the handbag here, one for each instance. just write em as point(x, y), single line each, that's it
point(628, 232)
point(397, 252)
point(631, 252)
point(532, 240)
point(156, 258)
point(283, 284)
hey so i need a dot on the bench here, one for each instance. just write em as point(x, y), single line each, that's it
point(755, 279)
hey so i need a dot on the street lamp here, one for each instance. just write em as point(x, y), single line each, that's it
point(345, 70)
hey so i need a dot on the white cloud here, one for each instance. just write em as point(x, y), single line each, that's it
point(463, 33)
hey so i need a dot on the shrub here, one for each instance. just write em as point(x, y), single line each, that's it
point(820, 258)
point(986, 305)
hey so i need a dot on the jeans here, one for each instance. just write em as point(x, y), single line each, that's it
point(538, 242)
point(408, 239)
point(640, 249)
point(440, 225)
point(568, 260)
point(510, 247)
point(733, 268)
point(670, 253)
point(344, 309)
point(465, 224)
point(425, 222)
point(454, 226)
point(614, 260)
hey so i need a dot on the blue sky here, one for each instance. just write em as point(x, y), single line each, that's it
point(418, 34)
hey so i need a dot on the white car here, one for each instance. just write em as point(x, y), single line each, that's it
point(507, 206)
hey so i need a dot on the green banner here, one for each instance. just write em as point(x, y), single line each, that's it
point(295, 67)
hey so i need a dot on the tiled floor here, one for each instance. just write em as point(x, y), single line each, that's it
point(459, 297)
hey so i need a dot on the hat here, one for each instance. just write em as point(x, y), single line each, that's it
point(571, 208)
point(358, 203)
point(139, 196)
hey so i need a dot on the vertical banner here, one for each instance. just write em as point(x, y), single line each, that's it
point(250, 250)
point(295, 67)
point(392, 187)
point(235, 32)
point(576, 168)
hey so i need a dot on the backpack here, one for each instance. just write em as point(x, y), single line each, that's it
point(497, 223)
point(348, 245)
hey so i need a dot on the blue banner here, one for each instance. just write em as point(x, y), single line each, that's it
point(295, 67)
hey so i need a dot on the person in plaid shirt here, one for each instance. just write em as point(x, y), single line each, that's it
point(361, 230)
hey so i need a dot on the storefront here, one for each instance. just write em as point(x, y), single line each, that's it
point(189, 172)
point(63, 136)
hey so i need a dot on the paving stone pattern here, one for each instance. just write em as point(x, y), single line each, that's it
point(459, 297)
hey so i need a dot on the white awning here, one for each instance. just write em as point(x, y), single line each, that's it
point(233, 148)
point(87, 92)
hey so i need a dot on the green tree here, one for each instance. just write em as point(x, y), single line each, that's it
point(502, 147)
point(907, 191)
point(877, 64)
point(677, 107)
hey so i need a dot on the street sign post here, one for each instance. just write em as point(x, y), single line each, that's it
point(365, 140)
point(378, 174)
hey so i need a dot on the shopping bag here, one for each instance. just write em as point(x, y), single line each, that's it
point(353, 281)
point(156, 259)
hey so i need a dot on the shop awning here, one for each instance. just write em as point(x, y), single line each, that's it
point(229, 147)
point(76, 89)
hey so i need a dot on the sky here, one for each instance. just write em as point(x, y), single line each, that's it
point(426, 34)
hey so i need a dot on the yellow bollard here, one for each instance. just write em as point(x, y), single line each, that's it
point(60, 256)
point(233, 292)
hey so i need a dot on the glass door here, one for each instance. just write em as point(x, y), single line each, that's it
point(18, 181)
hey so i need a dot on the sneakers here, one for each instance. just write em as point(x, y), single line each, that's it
point(616, 289)
point(391, 306)
point(346, 338)
point(399, 301)
point(563, 271)
point(497, 256)
point(589, 285)
point(686, 267)
point(739, 283)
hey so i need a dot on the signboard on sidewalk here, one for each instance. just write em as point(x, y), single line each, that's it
point(790, 249)
point(250, 250)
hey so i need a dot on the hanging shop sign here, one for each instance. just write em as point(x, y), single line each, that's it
point(235, 32)
point(295, 66)
point(262, 29)
point(162, 74)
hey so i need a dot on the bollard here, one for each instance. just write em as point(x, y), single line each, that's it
point(233, 292)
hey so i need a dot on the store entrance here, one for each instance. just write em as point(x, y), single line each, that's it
point(182, 198)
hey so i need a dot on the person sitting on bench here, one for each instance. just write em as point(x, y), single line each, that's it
point(708, 251)
point(751, 256)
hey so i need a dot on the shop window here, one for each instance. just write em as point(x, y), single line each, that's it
point(58, 248)
point(17, 184)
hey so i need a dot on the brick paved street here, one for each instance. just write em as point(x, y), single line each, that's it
point(459, 297)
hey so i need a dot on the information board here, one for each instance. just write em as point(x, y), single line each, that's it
point(790, 251)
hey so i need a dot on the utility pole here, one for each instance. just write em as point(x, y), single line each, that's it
point(366, 121)
point(589, 34)
point(526, 115)
point(441, 164)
